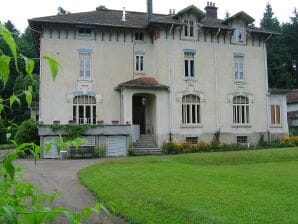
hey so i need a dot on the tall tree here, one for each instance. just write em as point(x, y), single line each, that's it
point(290, 31)
point(277, 53)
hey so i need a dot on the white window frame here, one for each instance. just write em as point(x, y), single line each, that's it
point(85, 65)
point(191, 103)
point(138, 36)
point(239, 68)
point(189, 64)
point(86, 101)
point(139, 63)
point(274, 117)
point(241, 114)
point(189, 28)
point(84, 34)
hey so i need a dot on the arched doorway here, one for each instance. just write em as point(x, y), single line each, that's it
point(143, 109)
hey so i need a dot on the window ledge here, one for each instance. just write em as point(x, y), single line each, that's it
point(191, 126)
point(140, 73)
point(84, 80)
point(275, 126)
point(239, 82)
point(190, 79)
point(241, 126)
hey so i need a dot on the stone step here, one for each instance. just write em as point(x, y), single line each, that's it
point(148, 151)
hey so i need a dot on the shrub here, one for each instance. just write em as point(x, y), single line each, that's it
point(27, 132)
point(131, 151)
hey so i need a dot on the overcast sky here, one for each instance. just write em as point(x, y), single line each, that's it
point(19, 11)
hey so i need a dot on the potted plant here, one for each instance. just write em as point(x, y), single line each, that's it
point(56, 122)
point(115, 122)
point(71, 122)
point(100, 122)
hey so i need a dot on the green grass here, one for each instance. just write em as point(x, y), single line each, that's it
point(228, 187)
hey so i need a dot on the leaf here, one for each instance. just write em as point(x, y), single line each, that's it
point(7, 37)
point(28, 95)
point(4, 68)
point(29, 65)
point(10, 169)
point(53, 66)
point(13, 99)
point(86, 212)
point(10, 214)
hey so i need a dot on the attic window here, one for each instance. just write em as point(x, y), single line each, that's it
point(139, 36)
point(239, 35)
point(84, 32)
point(189, 28)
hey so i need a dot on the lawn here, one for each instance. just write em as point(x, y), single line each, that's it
point(227, 187)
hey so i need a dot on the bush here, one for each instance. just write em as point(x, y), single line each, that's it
point(186, 147)
point(27, 132)
point(131, 151)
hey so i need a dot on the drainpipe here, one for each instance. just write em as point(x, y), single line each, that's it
point(216, 82)
point(133, 60)
point(267, 88)
point(170, 82)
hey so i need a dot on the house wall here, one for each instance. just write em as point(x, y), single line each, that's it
point(292, 107)
point(113, 63)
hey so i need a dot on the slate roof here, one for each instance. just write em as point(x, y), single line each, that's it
point(143, 82)
point(243, 15)
point(109, 18)
point(138, 20)
point(292, 97)
point(292, 114)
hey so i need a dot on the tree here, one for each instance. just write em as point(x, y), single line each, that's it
point(23, 202)
point(290, 31)
point(277, 53)
point(62, 11)
point(101, 7)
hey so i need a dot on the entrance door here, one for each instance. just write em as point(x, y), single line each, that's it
point(138, 110)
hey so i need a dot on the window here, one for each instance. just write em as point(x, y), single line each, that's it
point(240, 110)
point(139, 63)
point(189, 28)
point(192, 140)
point(189, 65)
point(84, 32)
point(242, 139)
point(84, 109)
point(191, 109)
point(139, 36)
point(275, 114)
point(238, 64)
point(85, 65)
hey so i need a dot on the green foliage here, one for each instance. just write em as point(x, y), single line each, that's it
point(131, 151)
point(27, 132)
point(186, 147)
point(101, 151)
point(216, 137)
point(22, 202)
point(54, 65)
point(281, 51)
point(71, 132)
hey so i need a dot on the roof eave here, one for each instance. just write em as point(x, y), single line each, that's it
point(129, 86)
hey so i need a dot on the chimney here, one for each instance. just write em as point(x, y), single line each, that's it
point(123, 14)
point(211, 10)
point(149, 10)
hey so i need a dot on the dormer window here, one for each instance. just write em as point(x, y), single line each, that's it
point(189, 28)
point(239, 35)
point(85, 32)
point(139, 36)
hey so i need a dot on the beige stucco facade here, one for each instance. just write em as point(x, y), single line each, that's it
point(112, 63)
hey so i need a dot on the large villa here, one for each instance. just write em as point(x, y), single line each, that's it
point(142, 78)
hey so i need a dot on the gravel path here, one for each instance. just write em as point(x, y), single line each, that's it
point(61, 176)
